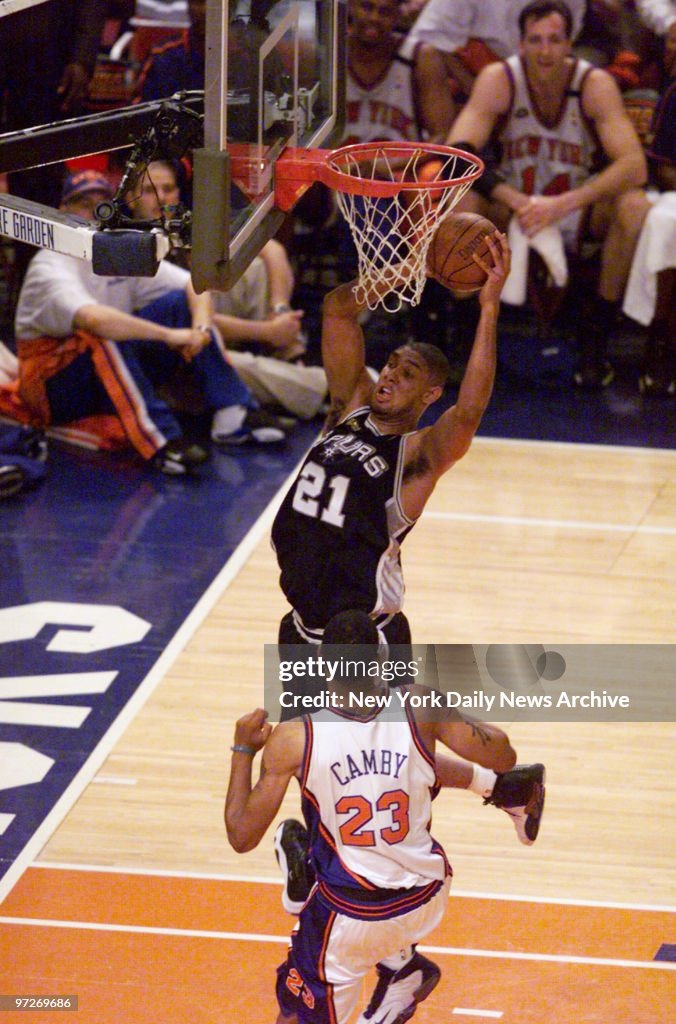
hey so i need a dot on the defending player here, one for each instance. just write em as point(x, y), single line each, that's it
point(367, 781)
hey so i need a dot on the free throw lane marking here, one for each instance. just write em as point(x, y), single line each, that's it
point(201, 933)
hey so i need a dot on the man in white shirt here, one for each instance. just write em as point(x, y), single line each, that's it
point(90, 344)
point(450, 25)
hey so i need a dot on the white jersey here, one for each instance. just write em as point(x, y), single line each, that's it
point(367, 789)
point(448, 25)
point(546, 158)
point(541, 157)
point(385, 110)
point(56, 286)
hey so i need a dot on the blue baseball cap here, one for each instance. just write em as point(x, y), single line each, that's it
point(80, 182)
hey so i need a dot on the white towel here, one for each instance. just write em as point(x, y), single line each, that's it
point(656, 250)
point(549, 244)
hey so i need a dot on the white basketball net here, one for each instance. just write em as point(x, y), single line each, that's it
point(392, 234)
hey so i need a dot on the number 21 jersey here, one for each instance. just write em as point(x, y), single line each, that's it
point(338, 531)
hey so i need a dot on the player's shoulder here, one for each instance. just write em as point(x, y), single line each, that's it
point(284, 748)
point(493, 84)
point(341, 410)
point(497, 71)
point(598, 90)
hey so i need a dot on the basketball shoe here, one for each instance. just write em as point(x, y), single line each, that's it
point(398, 993)
point(292, 852)
point(521, 794)
point(179, 457)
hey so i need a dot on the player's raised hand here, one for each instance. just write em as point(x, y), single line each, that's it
point(253, 729)
point(498, 273)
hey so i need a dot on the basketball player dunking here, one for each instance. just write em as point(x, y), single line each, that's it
point(366, 480)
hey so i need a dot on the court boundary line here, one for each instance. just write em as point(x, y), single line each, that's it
point(201, 933)
point(554, 524)
point(592, 446)
point(197, 615)
point(264, 880)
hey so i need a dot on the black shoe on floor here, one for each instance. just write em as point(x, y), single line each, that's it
point(12, 480)
point(657, 385)
point(179, 457)
point(594, 376)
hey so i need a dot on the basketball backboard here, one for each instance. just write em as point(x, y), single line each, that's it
point(274, 78)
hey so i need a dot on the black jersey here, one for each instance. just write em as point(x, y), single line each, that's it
point(338, 530)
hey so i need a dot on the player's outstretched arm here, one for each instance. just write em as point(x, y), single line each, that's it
point(488, 101)
point(447, 441)
point(479, 742)
point(250, 810)
point(343, 351)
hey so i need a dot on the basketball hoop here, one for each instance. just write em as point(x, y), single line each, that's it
point(393, 195)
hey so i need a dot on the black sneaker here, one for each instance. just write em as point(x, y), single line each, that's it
point(594, 376)
point(12, 479)
point(259, 427)
point(179, 457)
point(654, 384)
point(398, 993)
point(28, 442)
point(659, 376)
point(292, 852)
point(521, 794)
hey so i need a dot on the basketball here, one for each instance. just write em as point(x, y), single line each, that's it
point(449, 259)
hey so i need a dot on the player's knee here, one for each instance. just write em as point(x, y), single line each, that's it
point(630, 211)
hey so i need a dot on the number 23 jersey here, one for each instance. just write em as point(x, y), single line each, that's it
point(367, 789)
point(338, 531)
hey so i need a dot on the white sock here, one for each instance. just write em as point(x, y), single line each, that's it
point(483, 780)
point(226, 421)
point(399, 960)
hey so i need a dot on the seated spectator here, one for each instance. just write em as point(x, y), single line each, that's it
point(258, 326)
point(89, 344)
point(395, 89)
point(473, 33)
point(651, 291)
point(549, 112)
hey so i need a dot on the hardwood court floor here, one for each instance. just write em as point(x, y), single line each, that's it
point(522, 542)
point(587, 560)
point(139, 947)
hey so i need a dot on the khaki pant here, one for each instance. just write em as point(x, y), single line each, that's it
point(300, 390)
